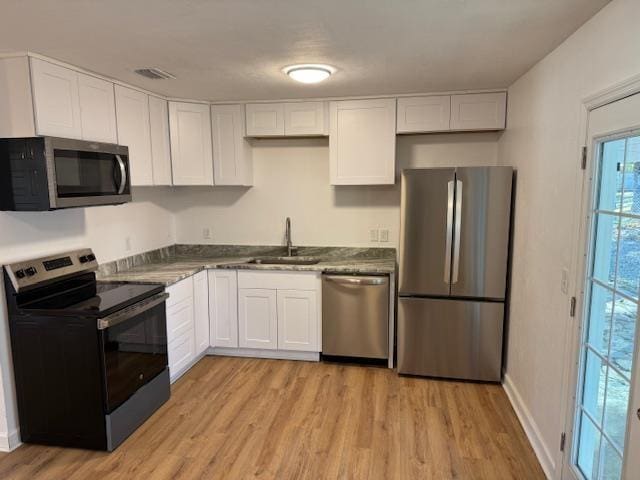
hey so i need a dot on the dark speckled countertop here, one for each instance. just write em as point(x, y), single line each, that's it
point(171, 264)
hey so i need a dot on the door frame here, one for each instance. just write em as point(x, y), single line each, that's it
point(582, 238)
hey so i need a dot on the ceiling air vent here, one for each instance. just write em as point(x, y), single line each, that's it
point(154, 73)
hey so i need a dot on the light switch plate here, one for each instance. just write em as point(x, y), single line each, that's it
point(384, 234)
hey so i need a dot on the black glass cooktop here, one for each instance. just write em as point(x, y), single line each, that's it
point(94, 299)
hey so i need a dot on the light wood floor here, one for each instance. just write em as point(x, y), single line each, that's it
point(245, 418)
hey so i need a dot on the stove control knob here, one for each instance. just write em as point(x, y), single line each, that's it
point(31, 271)
point(20, 273)
point(91, 257)
point(83, 259)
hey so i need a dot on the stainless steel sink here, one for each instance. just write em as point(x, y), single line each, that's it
point(285, 260)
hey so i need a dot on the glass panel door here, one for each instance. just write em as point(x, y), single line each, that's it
point(608, 344)
point(88, 174)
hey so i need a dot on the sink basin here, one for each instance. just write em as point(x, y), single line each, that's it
point(285, 260)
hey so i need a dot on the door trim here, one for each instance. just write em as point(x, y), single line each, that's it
point(581, 237)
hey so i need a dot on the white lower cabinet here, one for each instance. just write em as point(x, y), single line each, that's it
point(257, 318)
point(187, 323)
point(201, 311)
point(298, 320)
point(223, 308)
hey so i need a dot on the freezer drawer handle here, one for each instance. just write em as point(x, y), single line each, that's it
point(357, 281)
point(458, 227)
point(447, 248)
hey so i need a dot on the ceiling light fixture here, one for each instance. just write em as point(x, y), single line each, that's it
point(309, 73)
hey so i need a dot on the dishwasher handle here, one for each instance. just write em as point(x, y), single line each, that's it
point(356, 280)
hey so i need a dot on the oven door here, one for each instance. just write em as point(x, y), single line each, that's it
point(85, 173)
point(133, 348)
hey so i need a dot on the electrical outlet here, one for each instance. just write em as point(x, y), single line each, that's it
point(564, 283)
point(127, 244)
point(373, 234)
point(384, 234)
point(206, 233)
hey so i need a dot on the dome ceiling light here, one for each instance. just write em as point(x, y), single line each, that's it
point(309, 73)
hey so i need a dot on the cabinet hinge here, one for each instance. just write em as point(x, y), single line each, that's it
point(563, 438)
point(572, 307)
point(583, 161)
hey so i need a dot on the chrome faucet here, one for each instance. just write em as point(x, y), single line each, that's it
point(287, 235)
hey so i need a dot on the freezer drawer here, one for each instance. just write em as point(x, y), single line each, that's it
point(450, 338)
point(355, 316)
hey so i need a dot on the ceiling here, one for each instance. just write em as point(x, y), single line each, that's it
point(235, 49)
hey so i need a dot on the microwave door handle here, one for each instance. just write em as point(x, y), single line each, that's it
point(123, 175)
point(449, 233)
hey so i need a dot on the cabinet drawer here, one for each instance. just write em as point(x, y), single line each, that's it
point(181, 351)
point(180, 291)
point(180, 319)
point(279, 280)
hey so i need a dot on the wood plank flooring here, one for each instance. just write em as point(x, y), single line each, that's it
point(232, 418)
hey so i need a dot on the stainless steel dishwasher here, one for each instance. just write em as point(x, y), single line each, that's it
point(355, 316)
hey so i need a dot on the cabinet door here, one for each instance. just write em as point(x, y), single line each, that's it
point(160, 148)
point(298, 320)
point(56, 100)
point(132, 113)
point(265, 119)
point(478, 111)
point(223, 308)
point(191, 154)
point(305, 118)
point(423, 114)
point(231, 151)
point(362, 142)
point(201, 311)
point(97, 109)
point(257, 317)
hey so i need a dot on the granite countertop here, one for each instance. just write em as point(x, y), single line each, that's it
point(168, 266)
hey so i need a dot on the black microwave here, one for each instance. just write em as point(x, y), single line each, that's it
point(49, 173)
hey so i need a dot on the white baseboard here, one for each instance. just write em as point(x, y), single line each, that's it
point(10, 441)
point(530, 427)
point(259, 353)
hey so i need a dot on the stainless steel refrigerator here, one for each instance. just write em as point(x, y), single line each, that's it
point(454, 247)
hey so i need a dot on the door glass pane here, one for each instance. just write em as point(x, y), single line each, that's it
point(605, 251)
point(615, 413)
point(608, 346)
point(629, 257)
point(610, 462)
point(625, 313)
point(610, 188)
point(82, 174)
point(631, 200)
point(589, 448)
point(600, 318)
point(594, 386)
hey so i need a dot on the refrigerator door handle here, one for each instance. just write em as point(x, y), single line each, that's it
point(458, 227)
point(447, 248)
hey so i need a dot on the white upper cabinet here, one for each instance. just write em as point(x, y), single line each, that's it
point(132, 113)
point(423, 114)
point(56, 100)
point(232, 164)
point(298, 320)
point(362, 142)
point(478, 111)
point(191, 150)
point(160, 146)
point(201, 311)
point(306, 118)
point(97, 109)
point(265, 119)
point(223, 308)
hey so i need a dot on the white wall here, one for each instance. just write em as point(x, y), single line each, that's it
point(542, 142)
point(29, 234)
point(292, 179)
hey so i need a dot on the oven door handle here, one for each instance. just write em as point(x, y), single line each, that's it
point(132, 311)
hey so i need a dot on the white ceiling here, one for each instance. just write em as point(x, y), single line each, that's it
point(235, 49)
